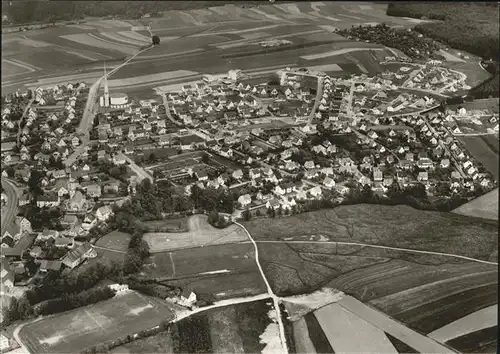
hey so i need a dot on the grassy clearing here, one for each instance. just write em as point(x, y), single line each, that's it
point(483, 341)
point(486, 206)
point(377, 224)
point(115, 240)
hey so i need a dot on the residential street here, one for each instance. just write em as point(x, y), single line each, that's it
point(9, 211)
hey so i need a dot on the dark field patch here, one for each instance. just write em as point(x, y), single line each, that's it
point(437, 314)
point(192, 335)
point(252, 320)
point(400, 346)
point(482, 341)
point(318, 337)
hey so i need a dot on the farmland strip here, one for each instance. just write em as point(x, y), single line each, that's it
point(317, 335)
point(302, 338)
point(483, 341)
point(394, 328)
point(439, 313)
point(349, 333)
point(476, 321)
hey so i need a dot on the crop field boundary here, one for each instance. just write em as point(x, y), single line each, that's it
point(383, 247)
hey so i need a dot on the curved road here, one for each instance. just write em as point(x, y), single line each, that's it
point(9, 211)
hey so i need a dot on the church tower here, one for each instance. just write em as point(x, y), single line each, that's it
point(106, 89)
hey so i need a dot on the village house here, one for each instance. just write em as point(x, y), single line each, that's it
point(103, 213)
point(76, 256)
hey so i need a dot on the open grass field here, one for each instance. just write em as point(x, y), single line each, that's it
point(486, 206)
point(381, 225)
point(11, 68)
point(200, 233)
point(115, 240)
point(485, 149)
point(75, 330)
point(167, 225)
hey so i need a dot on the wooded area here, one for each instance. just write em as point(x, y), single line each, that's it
point(472, 27)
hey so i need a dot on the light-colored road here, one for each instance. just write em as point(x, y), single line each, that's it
point(380, 320)
point(9, 211)
point(139, 171)
point(275, 298)
point(476, 321)
point(317, 101)
point(167, 110)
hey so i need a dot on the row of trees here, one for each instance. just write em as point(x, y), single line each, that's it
point(107, 346)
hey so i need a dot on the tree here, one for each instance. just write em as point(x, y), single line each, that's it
point(156, 40)
point(247, 215)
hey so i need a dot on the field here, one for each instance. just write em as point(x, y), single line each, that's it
point(474, 322)
point(75, 330)
point(189, 39)
point(486, 206)
point(167, 225)
point(223, 270)
point(380, 225)
point(200, 233)
point(347, 325)
point(230, 329)
point(483, 341)
point(115, 240)
point(484, 149)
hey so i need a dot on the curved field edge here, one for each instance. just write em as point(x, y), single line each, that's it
point(393, 226)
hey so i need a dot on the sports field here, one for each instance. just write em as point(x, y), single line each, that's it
point(75, 330)
point(200, 233)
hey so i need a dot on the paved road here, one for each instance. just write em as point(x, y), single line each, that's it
point(139, 171)
point(9, 211)
point(167, 111)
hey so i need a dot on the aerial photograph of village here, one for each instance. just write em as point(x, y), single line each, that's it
point(269, 177)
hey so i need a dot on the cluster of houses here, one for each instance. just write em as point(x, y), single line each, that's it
point(278, 167)
point(46, 132)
